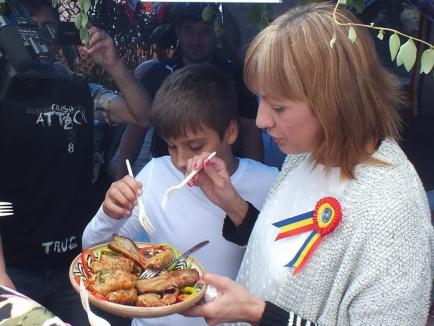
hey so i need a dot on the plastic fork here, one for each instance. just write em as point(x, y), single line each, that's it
point(148, 273)
point(143, 217)
point(94, 320)
point(6, 209)
point(182, 183)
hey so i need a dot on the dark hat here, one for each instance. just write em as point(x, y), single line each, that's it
point(195, 10)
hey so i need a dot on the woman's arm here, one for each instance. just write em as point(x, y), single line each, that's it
point(214, 180)
point(394, 275)
point(240, 233)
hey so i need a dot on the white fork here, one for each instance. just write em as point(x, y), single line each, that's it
point(143, 217)
point(94, 320)
point(182, 183)
point(148, 273)
point(6, 209)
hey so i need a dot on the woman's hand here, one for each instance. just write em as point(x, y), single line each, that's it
point(215, 182)
point(121, 198)
point(232, 304)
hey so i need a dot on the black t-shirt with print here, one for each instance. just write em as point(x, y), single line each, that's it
point(247, 104)
point(46, 151)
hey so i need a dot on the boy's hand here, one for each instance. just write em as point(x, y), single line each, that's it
point(121, 198)
point(215, 182)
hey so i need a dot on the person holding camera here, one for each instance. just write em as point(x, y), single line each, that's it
point(46, 141)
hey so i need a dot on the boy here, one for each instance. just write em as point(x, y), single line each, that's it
point(195, 112)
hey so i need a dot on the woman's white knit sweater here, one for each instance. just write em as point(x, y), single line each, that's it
point(376, 267)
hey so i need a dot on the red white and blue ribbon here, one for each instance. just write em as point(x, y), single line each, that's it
point(319, 222)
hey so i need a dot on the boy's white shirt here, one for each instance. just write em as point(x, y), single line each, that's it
point(188, 219)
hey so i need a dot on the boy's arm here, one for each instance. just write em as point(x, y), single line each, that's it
point(118, 213)
point(101, 228)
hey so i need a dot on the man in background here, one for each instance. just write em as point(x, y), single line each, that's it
point(197, 44)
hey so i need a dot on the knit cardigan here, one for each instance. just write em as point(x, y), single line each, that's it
point(376, 267)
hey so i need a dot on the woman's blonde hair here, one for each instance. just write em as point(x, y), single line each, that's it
point(354, 98)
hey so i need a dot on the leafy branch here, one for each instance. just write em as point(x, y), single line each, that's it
point(258, 14)
point(209, 14)
point(404, 54)
point(82, 18)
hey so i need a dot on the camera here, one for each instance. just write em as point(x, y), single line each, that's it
point(25, 65)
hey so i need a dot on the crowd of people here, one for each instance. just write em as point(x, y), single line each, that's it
point(342, 235)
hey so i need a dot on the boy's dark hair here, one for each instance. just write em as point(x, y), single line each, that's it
point(192, 97)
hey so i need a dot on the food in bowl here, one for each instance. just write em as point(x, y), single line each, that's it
point(112, 273)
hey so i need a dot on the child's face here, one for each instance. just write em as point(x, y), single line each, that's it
point(203, 140)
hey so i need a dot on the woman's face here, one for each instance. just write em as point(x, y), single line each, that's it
point(290, 124)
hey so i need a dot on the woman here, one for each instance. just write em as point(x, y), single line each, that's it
point(344, 237)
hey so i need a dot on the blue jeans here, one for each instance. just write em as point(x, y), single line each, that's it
point(53, 290)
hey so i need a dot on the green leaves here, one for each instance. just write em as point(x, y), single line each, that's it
point(258, 14)
point(207, 14)
point(211, 16)
point(84, 21)
point(358, 5)
point(352, 34)
point(77, 20)
point(84, 36)
point(263, 23)
point(407, 55)
point(394, 44)
point(427, 61)
point(218, 28)
point(2, 7)
point(81, 19)
point(86, 6)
